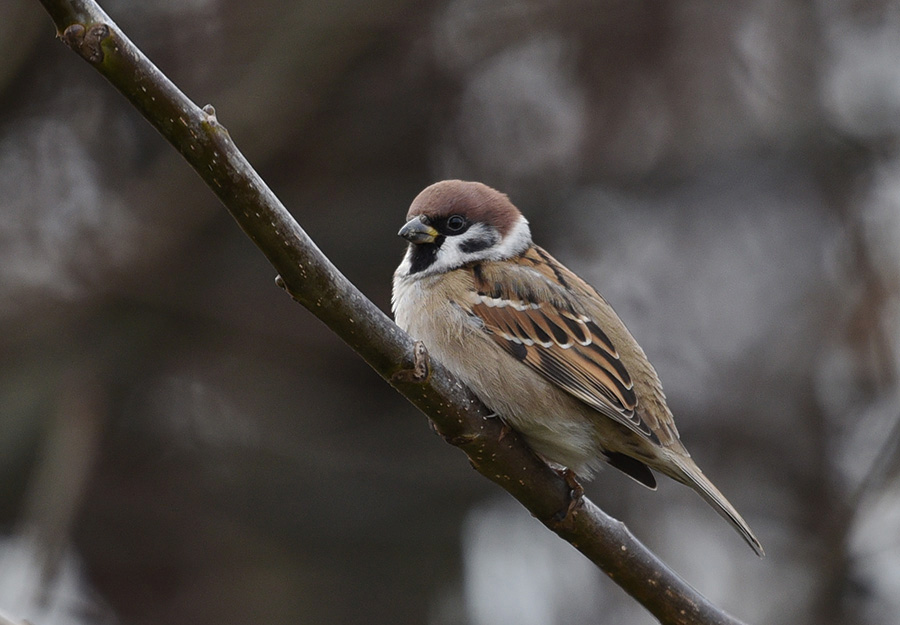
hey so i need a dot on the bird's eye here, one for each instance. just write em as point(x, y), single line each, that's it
point(455, 223)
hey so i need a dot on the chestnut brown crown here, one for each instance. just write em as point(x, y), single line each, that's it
point(475, 201)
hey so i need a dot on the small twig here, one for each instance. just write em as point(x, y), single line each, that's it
point(310, 278)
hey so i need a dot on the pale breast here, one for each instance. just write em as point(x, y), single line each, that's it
point(559, 427)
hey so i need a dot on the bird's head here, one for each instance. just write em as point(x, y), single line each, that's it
point(453, 223)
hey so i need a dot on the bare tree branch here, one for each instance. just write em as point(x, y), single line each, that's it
point(312, 280)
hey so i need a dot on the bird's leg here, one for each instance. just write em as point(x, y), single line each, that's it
point(576, 493)
point(421, 368)
point(421, 362)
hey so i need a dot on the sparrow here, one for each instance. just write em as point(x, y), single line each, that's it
point(537, 344)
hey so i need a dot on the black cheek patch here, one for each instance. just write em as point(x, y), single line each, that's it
point(477, 244)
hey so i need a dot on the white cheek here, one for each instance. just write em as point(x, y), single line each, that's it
point(405, 264)
point(452, 255)
point(517, 241)
point(403, 285)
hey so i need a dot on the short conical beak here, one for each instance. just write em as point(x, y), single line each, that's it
point(417, 231)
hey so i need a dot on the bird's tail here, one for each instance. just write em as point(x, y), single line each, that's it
point(692, 476)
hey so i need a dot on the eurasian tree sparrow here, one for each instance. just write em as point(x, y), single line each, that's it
point(536, 343)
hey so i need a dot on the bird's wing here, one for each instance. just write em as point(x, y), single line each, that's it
point(547, 332)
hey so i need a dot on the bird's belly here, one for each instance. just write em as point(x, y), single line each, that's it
point(559, 427)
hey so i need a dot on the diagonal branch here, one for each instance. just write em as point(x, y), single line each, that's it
point(313, 281)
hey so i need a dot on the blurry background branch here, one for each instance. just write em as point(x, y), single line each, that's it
point(313, 281)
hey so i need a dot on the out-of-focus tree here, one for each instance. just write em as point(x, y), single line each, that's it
point(735, 165)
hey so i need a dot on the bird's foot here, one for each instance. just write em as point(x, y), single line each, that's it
point(421, 368)
point(576, 494)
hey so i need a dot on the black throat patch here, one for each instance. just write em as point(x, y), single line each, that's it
point(423, 255)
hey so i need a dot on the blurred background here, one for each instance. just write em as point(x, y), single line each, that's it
point(181, 443)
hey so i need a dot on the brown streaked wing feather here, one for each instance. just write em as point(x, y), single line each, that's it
point(653, 410)
point(566, 347)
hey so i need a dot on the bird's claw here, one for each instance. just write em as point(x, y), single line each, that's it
point(576, 494)
point(421, 368)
